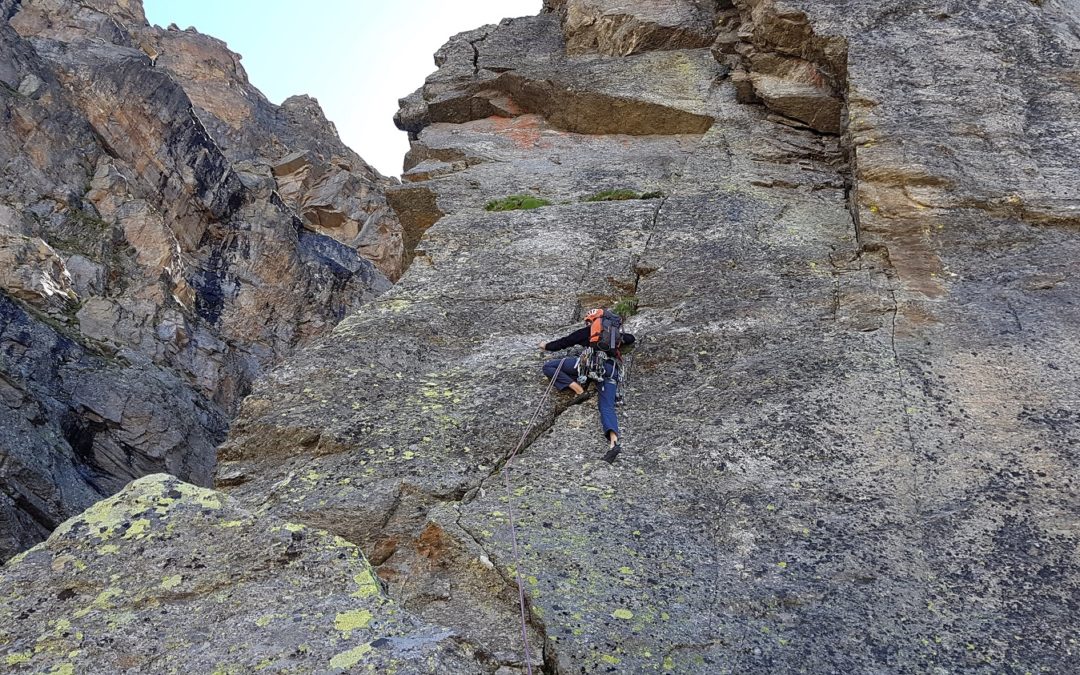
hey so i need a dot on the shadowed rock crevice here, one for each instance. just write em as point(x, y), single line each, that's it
point(799, 75)
point(571, 109)
point(418, 209)
point(549, 659)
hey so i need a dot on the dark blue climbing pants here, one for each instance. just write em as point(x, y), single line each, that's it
point(567, 373)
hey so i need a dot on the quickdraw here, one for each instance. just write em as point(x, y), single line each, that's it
point(590, 366)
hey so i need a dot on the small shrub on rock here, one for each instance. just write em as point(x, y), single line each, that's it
point(626, 307)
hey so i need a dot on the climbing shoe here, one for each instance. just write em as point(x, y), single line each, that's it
point(581, 398)
point(611, 454)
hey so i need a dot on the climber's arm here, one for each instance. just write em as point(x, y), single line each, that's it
point(579, 338)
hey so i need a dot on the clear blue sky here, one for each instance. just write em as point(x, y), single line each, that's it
point(358, 57)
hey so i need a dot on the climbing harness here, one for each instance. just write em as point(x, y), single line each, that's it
point(590, 366)
point(510, 515)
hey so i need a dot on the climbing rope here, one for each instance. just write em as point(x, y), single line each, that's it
point(510, 513)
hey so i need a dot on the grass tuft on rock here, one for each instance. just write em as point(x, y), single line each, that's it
point(621, 195)
point(516, 203)
point(626, 307)
point(613, 196)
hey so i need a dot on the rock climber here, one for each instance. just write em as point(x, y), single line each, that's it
point(600, 361)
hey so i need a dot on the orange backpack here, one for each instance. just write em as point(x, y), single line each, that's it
point(605, 330)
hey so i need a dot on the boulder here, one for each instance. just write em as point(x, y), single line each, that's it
point(812, 104)
point(164, 562)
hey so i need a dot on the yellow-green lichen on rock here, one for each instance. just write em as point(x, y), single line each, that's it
point(350, 658)
point(347, 622)
point(309, 598)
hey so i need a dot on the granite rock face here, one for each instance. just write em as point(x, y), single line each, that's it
point(851, 426)
point(165, 567)
point(153, 263)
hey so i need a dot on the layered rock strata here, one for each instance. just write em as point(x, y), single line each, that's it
point(157, 255)
point(851, 423)
point(620, 28)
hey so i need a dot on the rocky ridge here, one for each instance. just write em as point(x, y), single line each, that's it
point(851, 425)
point(166, 234)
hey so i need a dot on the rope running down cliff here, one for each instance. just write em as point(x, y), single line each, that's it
point(510, 513)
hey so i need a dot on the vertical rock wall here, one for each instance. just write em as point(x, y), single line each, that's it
point(851, 423)
point(818, 433)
